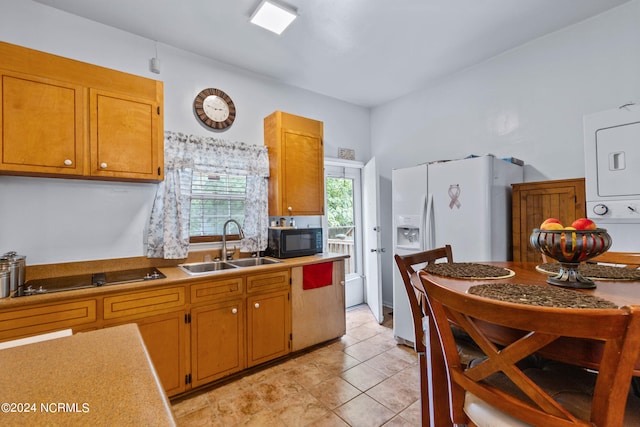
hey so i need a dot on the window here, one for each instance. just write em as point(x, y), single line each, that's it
point(215, 198)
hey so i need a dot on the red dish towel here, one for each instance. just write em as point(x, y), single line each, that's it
point(317, 275)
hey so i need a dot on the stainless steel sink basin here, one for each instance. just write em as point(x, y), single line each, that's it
point(205, 267)
point(252, 262)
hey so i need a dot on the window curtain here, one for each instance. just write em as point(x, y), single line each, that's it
point(168, 234)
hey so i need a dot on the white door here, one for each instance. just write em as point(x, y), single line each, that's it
point(371, 237)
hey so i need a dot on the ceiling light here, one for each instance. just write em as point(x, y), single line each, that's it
point(272, 16)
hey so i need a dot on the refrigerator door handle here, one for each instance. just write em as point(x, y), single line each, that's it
point(428, 219)
point(423, 212)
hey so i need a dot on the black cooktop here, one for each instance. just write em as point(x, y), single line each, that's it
point(68, 283)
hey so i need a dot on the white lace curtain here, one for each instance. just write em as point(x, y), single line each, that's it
point(168, 234)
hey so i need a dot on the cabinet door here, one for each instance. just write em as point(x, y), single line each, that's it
point(124, 136)
point(303, 160)
point(269, 326)
point(534, 202)
point(164, 337)
point(42, 125)
point(217, 341)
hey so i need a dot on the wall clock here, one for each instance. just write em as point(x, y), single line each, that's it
point(214, 108)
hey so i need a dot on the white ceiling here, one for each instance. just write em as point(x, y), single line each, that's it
point(366, 52)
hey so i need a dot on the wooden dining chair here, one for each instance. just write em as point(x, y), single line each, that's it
point(409, 266)
point(628, 259)
point(412, 285)
point(502, 390)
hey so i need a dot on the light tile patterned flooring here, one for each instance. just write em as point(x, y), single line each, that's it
point(365, 379)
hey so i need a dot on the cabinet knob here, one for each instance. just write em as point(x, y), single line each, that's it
point(68, 162)
point(234, 310)
point(257, 305)
point(290, 209)
point(103, 165)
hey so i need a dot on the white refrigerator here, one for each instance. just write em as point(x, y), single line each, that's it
point(464, 203)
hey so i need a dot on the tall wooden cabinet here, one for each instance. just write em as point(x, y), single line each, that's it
point(296, 164)
point(65, 118)
point(533, 202)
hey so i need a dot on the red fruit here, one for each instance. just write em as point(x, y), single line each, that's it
point(584, 224)
point(546, 224)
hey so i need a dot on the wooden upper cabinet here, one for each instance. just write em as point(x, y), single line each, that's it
point(43, 125)
point(533, 202)
point(65, 118)
point(124, 140)
point(296, 164)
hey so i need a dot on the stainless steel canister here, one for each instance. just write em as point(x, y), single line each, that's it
point(17, 266)
point(5, 282)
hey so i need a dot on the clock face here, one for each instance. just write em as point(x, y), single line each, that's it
point(214, 108)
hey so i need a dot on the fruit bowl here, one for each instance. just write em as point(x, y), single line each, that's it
point(570, 248)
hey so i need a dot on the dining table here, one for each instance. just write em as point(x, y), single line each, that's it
point(578, 352)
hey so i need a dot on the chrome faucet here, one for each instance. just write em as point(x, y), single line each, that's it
point(224, 236)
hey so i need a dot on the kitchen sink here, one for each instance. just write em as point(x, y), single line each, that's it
point(196, 268)
point(252, 262)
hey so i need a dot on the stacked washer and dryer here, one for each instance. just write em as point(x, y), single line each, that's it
point(612, 174)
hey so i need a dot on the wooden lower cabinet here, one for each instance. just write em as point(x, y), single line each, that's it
point(199, 332)
point(217, 341)
point(44, 318)
point(164, 336)
point(268, 326)
point(161, 316)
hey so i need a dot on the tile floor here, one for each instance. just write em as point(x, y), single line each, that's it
point(365, 379)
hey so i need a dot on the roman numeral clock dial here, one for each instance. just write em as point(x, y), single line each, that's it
point(214, 109)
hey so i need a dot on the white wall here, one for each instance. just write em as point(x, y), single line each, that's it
point(527, 103)
point(59, 220)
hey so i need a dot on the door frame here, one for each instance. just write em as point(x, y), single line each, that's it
point(339, 168)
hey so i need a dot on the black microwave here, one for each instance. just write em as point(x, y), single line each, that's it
point(293, 242)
